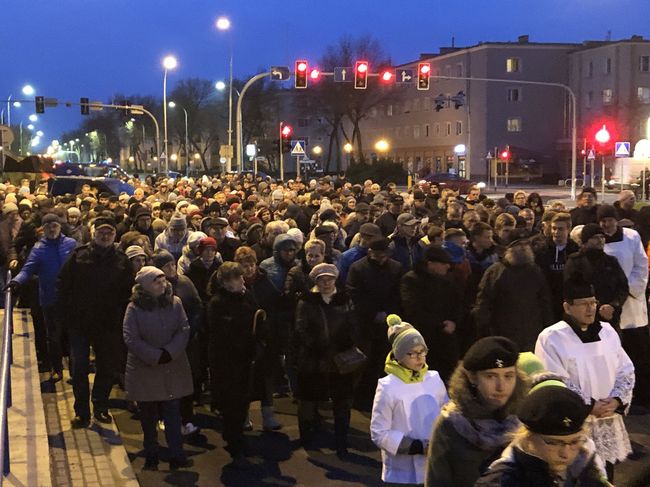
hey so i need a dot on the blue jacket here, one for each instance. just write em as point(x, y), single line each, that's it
point(348, 258)
point(45, 260)
point(275, 269)
point(407, 253)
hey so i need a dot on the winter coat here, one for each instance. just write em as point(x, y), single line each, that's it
point(582, 215)
point(9, 227)
point(406, 252)
point(552, 261)
point(79, 232)
point(298, 282)
point(165, 241)
point(151, 325)
point(427, 301)
point(387, 223)
point(517, 468)
point(348, 258)
point(374, 289)
point(200, 276)
point(467, 436)
point(93, 288)
point(191, 300)
point(604, 273)
point(322, 330)
point(45, 260)
point(405, 410)
point(227, 248)
point(275, 268)
point(626, 246)
point(513, 301)
point(479, 263)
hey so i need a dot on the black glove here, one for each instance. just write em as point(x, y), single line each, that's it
point(417, 448)
point(13, 285)
point(165, 358)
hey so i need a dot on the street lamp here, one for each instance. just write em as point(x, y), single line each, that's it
point(317, 150)
point(220, 85)
point(169, 62)
point(33, 118)
point(187, 140)
point(223, 24)
point(382, 145)
point(28, 90)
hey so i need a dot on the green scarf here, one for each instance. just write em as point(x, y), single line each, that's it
point(406, 375)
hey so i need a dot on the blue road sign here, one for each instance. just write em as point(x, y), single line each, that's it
point(622, 149)
point(344, 75)
point(298, 148)
point(404, 76)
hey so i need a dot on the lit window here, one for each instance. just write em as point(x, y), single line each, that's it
point(513, 65)
point(514, 124)
point(389, 110)
point(643, 94)
point(607, 96)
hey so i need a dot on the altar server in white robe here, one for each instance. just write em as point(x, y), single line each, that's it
point(588, 355)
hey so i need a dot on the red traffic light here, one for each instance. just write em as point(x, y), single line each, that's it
point(362, 66)
point(424, 73)
point(361, 75)
point(301, 66)
point(300, 74)
point(583, 152)
point(286, 131)
point(425, 68)
point(505, 155)
point(603, 136)
point(314, 74)
point(387, 76)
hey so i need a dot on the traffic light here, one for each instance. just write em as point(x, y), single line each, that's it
point(126, 111)
point(314, 74)
point(603, 136)
point(85, 107)
point(424, 76)
point(387, 75)
point(361, 75)
point(286, 132)
point(458, 99)
point(505, 154)
point(39, 101)
point(583, 152)
point(301, 74)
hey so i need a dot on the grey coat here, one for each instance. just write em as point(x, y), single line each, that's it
point(149, 326)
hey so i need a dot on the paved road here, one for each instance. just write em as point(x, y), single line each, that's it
point(280, 461)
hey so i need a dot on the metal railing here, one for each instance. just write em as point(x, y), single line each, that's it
point(6, 359)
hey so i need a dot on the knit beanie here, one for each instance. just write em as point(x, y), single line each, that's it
point(162, 257)
point(177, 221)
point(147, 275)
point(402, 337)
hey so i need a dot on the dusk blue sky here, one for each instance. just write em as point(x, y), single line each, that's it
point(73, 48)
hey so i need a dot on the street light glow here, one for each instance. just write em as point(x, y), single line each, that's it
point(30, 126)
point(347, 147)
point(28, 90)
point(170, 62)
point(174, 157)
point(17, 104)
point(382, 145)
point(171, 104)
point(223, 23)
point(318, 150)
point(33, 118)
point(220, 85)
point(39, 133)
point(460, 149)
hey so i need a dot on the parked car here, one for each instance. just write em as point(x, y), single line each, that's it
point(447, 180)
point(60, 185)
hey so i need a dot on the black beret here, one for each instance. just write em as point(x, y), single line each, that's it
point(553, 410)
point(590, 230)
point(491, 353)
point(435, 254)
point(577, 288)
point(606, 211)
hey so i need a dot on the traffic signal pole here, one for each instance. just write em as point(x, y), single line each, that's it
point(239, 116)
point(281, 153)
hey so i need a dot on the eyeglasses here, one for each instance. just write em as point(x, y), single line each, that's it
point(578, 442)
point(417, 354)
point(586, 304)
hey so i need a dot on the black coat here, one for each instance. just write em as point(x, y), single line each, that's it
point(374, 288)
point(200, 276)
point(427, 301)
point(522, 469)
point(387, 223)
point(552, 262)
point(322, 330)
point(582, 215)
point(513, 301)
point(94, 288)
point(227, 248)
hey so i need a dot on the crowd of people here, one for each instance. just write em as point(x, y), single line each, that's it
point(494, 342)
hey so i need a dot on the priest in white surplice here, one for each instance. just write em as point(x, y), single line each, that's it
point(589, 357)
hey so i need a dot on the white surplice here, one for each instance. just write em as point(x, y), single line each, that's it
point(595, 370)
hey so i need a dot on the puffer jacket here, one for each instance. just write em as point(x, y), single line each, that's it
point(277, 270)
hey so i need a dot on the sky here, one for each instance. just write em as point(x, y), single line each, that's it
point(69, 49)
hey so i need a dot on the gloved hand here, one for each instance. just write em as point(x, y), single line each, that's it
point(165, 358)
point(13, 285)
point(417, 448)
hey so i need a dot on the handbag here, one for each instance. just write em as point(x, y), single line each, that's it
point(347, 361)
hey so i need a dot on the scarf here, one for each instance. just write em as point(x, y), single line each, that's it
point(486, 434)
point(404, 374)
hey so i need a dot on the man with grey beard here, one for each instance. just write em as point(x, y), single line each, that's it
point(514, 299)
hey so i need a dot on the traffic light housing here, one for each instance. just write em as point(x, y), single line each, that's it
point(505, 154)
point(285, 140)
point(361, 75)
point(84, 106)
point(458, 99)
point(387, 75)
point(424, 76)
point(440, 101)
point(301, 74)
point(39, 101)
point(314, 74)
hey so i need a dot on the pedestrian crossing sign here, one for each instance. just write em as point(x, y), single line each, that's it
point(297, 147)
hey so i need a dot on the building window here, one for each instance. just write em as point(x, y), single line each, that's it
point(459, 128)
point(447, 70)
point(426, 130)
point(644, 64)
point(608, 65)
point(607, 96)
point(416, 104)
point(459, 70)
point(513, 65)
point(643, 94)
point(514, 95)
point(514, 124)
point(589, 99)
point(448, 129)
point(389, 110)
point(425, 103)
point(416, 131)
point(590, 69)
point(436, 129)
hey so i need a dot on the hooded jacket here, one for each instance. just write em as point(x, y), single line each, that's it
point(468, 436)
point(275, 268)
point(167, 242)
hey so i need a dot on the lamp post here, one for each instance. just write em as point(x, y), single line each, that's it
point(169, 62)
point(223, 24)
point(187, 140)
